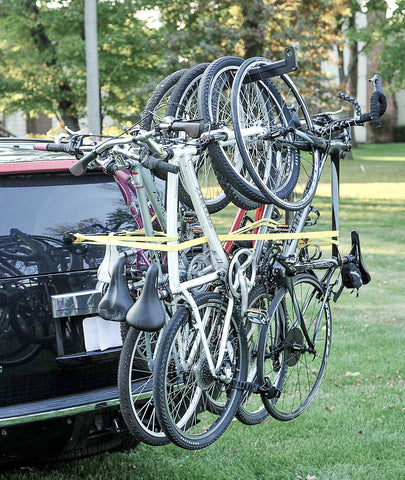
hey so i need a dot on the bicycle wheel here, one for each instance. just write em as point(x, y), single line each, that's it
point(251, 410)
point(157, 102)
point(184, 105)
point(135, 377)
point(194, 407)
point(273, 159)
point(156, 106)
point(286, 359)
point(214, 103)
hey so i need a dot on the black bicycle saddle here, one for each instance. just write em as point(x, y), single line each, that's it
point(147, 313)
point(117, 301)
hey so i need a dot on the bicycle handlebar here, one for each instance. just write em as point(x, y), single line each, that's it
point(153, 163)
point(193, 128)
point(378, 105)
point(378, 101)
point(79, 168)
point(53, 147)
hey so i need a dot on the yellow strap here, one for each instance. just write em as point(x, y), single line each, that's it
point(157, 243)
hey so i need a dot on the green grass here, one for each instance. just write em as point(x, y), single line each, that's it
point(355, 428)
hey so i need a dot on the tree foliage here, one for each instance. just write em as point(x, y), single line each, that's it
point(385, 37)
point(42, 58)
point(206, 30)
point(42, 47)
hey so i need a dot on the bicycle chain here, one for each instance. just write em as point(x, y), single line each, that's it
point(266, 265)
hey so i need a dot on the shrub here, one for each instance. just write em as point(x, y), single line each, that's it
point(399, 133)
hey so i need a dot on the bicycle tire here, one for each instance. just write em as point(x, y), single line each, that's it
point(214, 104)
point(184, 388)
point(156, 105)
point(159, 99)
point(284, 360)
point(275, 165)
point(259, 102)
point(135, 376)
point(251, 410)
point(184, 105)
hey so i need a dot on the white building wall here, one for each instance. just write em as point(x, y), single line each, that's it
point(16, 124)
point(400, 96)
point(360, 133)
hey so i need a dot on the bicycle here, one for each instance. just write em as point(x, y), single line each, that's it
point(192, 358)
point(183, 434)
point(295, 340)
point(117, 270)
point(215, 379)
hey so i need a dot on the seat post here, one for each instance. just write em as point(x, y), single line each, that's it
point(335, 185)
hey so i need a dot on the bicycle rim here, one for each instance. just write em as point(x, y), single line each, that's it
point(135, 378)
point(284, 359)
point(193, 407)
point(285, 174)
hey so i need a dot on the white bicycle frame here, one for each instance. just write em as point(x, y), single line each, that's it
point(184, 159)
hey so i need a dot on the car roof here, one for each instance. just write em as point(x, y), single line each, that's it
point(18, 156)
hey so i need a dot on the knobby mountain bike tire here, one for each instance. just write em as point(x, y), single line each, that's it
point(135, 378)
point(193, 407)
point(284, 358)
point(273, 158)
point(214, 102)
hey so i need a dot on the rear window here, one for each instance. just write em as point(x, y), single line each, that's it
point(36, 211)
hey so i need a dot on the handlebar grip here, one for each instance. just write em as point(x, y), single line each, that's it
point(79, 168)
point(378, 104)
point(52, 147)
point(366, 117)
point(378, 101)
point(155, 164)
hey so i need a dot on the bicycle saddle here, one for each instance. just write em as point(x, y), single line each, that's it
point(117, 301)
point(356, 251)
point(147, 313)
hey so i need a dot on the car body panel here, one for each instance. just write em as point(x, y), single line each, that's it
point(51, 382)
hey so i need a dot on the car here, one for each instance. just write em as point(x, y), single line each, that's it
point(58, 358)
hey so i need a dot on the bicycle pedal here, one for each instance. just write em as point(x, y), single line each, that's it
point(270, 390)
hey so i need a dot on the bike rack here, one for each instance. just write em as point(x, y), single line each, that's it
point(288, 65)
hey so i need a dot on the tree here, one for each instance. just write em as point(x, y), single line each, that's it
point(42, 53)
point(42, 58)
point(387, 33)
point(201, 31)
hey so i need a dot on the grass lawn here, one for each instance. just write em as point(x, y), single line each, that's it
point(355, 427)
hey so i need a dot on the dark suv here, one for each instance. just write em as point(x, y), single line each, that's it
point(58, 359)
